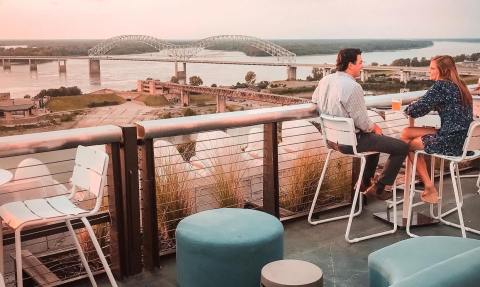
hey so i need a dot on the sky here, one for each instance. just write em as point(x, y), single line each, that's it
point(268, 19)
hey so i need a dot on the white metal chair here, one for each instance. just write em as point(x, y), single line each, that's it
point(34, 177)
point(341, 131)
point(472, 144)
point(89, 176)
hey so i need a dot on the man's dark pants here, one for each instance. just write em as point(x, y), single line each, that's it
point(371, 142)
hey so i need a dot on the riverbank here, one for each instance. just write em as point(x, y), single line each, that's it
point(307, 47)
point(301, 47)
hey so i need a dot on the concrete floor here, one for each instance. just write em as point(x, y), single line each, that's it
point(343, 264)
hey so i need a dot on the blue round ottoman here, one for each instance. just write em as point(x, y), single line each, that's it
point(226, 247)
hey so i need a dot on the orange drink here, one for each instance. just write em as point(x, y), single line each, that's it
point(396, 104)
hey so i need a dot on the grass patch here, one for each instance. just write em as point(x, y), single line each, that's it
point(67, 118)
point(153, 101)
point(233, 108)
point(292, 90)
point(174, 201)
point(299, 183)
point(227, 175)
point(81, 102)
point(188, 112)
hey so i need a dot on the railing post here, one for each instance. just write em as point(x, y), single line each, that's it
point(149, 205)
point(131, 199)
point(118, 256)
point(271, 193)
point(125, 203)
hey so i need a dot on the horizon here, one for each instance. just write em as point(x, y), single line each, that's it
point(293, 39)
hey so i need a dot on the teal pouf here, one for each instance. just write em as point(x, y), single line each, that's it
point(426, 261)
point(226, 247)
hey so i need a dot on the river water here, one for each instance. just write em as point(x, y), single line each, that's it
point(122, 75)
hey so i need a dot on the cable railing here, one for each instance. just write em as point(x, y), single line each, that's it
point(163, 170)
point(42, 165)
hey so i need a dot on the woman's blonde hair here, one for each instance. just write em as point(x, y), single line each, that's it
point(448, 71)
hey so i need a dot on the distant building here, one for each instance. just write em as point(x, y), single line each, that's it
point(470, 64)
point(4, 96)
point(12, 108)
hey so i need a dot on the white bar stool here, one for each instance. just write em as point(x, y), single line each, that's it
point(471, 151)
point(341, 131)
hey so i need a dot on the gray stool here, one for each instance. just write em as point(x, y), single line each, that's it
point(283, 273)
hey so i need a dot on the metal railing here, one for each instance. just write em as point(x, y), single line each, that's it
point(42, 165)
point(247, 152)
point(163, 170)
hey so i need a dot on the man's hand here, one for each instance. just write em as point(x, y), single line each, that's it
point(377, 130)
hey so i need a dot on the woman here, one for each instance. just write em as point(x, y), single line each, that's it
point(450, 97)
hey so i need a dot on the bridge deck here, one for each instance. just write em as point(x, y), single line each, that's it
point(461, 71)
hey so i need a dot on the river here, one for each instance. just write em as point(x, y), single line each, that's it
point(122, 75)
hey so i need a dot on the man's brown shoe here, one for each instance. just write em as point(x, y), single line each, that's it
point(374, 191)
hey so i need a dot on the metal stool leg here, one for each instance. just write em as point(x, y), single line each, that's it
point(352, 211)
point(317, 192)
point(315, 198)
point(412, 195)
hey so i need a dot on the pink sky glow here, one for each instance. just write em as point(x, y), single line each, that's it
point(190, 19)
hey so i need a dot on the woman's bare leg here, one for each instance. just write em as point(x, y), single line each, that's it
point(430, 193)
point(411, 133)
point(412, 136)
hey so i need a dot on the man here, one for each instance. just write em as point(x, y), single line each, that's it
point(340, 95)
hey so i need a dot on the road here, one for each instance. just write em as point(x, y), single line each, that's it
point(126, 113)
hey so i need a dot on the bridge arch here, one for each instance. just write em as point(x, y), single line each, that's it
point(106, 46)
point(266, 46)
point(187, 51)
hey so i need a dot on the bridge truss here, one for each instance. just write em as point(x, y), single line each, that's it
point(187, 51)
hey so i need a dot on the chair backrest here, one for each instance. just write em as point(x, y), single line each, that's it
point(472, 142)
point(31, 168)
point(90, 170)
point(35, 178)
point(338, 130)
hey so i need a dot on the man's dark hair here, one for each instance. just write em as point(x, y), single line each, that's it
point(346, 56)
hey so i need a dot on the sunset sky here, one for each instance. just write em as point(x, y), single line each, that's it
point(271, 19)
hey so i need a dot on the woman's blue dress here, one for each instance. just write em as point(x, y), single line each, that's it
point(445, 98)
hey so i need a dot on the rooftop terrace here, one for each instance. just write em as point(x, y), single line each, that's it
point(343, 264)
point(269, 158)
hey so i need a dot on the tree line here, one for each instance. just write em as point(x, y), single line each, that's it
point(298, 46)
point(60, 92)
point(424, 62)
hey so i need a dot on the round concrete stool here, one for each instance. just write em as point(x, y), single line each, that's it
point(291, 273)
point(226, 247)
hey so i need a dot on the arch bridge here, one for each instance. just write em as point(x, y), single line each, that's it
point(190, 50)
